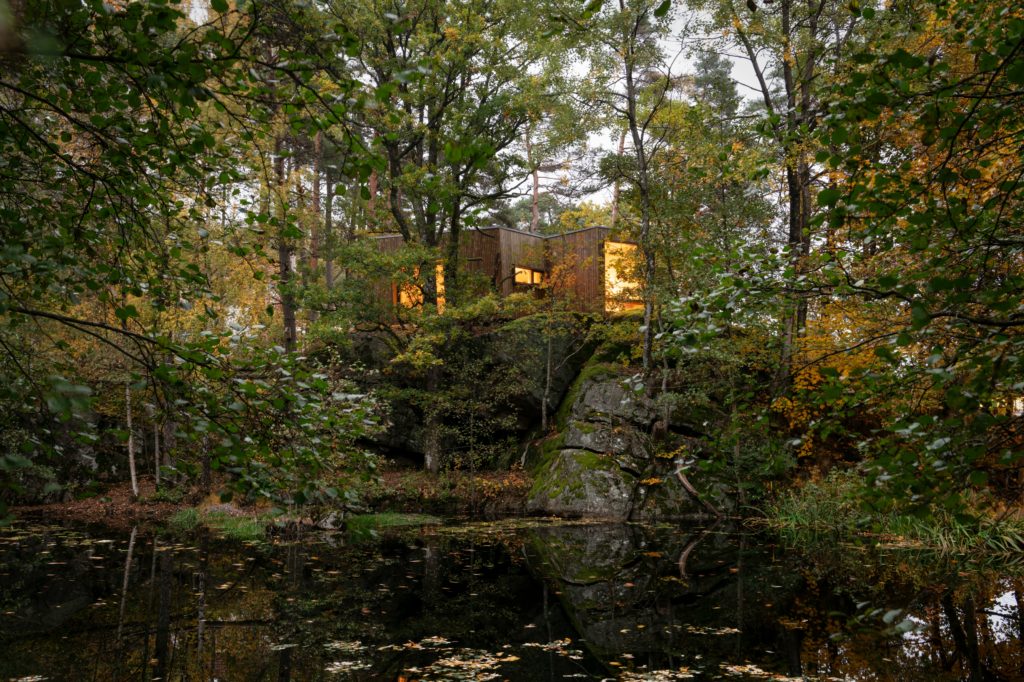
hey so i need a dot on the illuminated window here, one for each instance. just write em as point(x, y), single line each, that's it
point(528, 277)
point(410, 295)
point(621, 285)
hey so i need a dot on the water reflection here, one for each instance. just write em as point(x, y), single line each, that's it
point(501, 601)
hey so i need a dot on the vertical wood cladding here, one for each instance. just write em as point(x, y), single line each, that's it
point(480, 252)
point(576, 259)
point(386, 292)
point(580, 256)
point(520, 249)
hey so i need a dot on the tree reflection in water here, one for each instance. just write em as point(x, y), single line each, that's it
point(517, 600)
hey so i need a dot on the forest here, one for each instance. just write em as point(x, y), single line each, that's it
point(827, 249)
point(246, 269)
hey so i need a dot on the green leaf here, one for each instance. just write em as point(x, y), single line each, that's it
point(126, 312)
point(663, 8)
point(828, 197)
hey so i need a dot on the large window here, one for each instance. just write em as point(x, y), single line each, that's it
point(528, 277)
point(410, 295)
point(621, 282)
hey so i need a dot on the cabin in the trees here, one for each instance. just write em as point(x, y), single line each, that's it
point(593, 271)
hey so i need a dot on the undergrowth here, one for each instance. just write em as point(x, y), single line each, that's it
point(241, 528)
point(831, 509)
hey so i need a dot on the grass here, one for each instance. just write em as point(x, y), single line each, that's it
point(367, 522)
point(830, 509)
point(184, 520)
point(240, 528)
point(450, 493)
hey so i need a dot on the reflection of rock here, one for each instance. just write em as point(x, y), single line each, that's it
point(624, 589)
point(587, 554)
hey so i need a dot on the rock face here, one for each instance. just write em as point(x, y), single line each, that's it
point(513, 362)
point(604, 464)
point(583, 483)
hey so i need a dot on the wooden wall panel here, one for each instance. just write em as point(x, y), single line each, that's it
point(480, 253)
point(495, 252)
point(520, 249)
point(384, 291)
point(581, 254)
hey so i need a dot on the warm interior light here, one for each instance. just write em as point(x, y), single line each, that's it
point(439, 278)
point(410, 295)
point(528, 276)
point(621, 286)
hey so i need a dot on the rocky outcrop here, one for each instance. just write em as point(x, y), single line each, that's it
point(582, 483)
point(603, 463)
point(509, 364)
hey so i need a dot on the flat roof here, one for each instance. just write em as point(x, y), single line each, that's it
point(390, 235)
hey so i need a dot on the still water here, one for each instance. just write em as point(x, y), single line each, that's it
point(517, 600)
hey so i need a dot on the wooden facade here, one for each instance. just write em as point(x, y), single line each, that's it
point(513, 260)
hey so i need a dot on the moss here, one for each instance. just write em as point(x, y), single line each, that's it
point(592, 370)
point(242, 528)
point(548, 451)
point(555, 483)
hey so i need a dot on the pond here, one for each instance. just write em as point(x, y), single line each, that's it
point(516, 599)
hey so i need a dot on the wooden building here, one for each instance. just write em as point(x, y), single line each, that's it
point(593, 271)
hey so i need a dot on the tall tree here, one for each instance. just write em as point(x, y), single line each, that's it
point(451, 79)
point(790, 46)
point(632, 77)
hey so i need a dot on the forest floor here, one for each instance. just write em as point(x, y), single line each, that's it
point(449, 492)
point(115, 507)
point(398, 490)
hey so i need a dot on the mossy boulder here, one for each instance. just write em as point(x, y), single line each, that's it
point(601, 463)
point(582, 483)
point(624, 443)
point(606, 400)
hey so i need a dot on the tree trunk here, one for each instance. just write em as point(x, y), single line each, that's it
point(163, 619)
point(535, 174)
point(547, 384)
point(616, 188)
point(644, 190)
point(451, 265)
point(329, 232)
point(432, 429)
point(156, 456)
point(131, 437)
point(124, 582)
point(314, 236)
point(371, 204)
point(314, 229)
point(285, 252)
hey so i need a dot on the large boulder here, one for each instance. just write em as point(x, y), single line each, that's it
point(529, 343)
point(583, 483)
point(603, 463)
point(624, 443)
point(506, 366)
point(609, 399)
